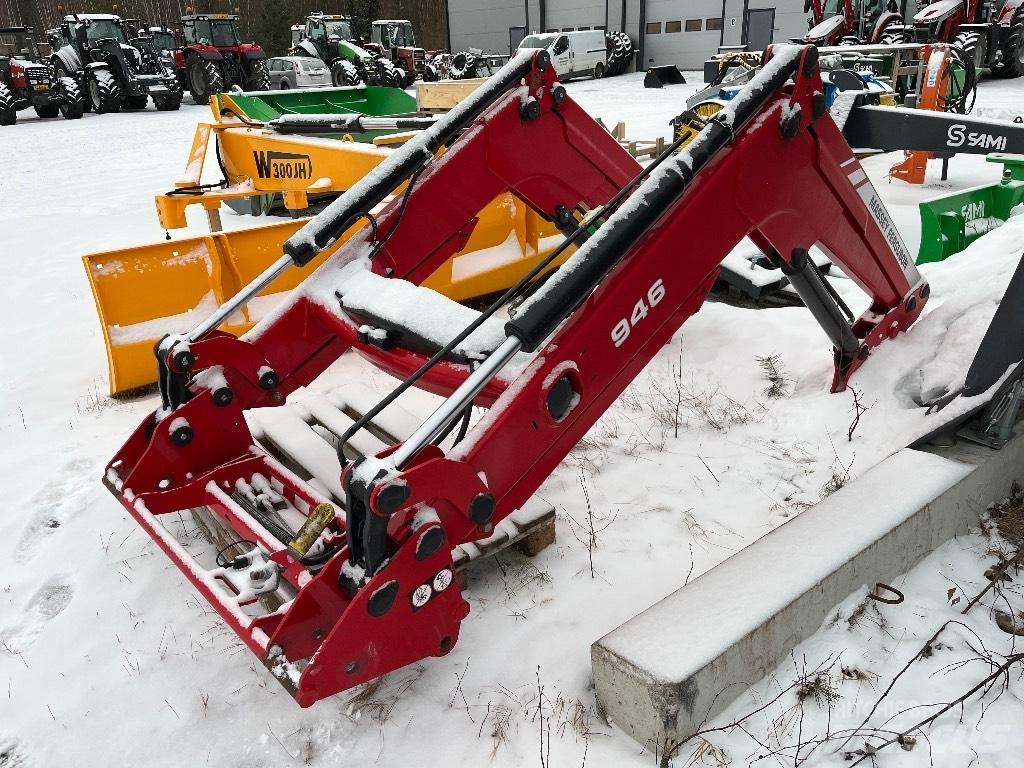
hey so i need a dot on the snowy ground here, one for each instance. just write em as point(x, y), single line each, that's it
point(110, 659)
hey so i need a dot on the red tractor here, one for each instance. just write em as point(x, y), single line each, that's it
point(214, 58)
point(838, 22)
point(991, 32)
point(394, 39)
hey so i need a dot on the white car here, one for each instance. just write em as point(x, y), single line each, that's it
point(297, 72)
point(574, 54)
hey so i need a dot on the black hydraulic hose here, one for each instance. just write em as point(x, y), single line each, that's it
point(577, 235)
point(349, 124)
point(413, 156)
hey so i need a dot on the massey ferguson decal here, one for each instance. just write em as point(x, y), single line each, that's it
point(282, 165)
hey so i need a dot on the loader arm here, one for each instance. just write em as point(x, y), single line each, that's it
point(772, 165)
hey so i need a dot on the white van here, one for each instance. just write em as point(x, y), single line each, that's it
point(574, 54)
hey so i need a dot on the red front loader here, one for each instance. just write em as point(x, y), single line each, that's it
point(839, 22)
point(355, 543)
point(991, 32)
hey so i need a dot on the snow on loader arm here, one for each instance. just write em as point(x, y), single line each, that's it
point(356, 543)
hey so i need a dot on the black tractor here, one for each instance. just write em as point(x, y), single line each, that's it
point(27, 81)
point(113, 67)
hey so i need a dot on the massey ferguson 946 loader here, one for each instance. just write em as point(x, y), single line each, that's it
point(338, 565)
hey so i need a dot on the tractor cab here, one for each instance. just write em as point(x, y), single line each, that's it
point(393, 34)
point(19, 43)
point(163, 39)
point(327, 31)
point(90, 30)
point(216, 30)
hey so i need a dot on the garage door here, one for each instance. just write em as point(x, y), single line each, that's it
point(684, 34)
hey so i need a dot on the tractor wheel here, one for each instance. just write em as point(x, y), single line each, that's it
point(1012, 63)
point(260, 80)
point(47, 110)
point(136, 102)
point(73, 105)
point(344, 72)
point(892, 38)
point(204, 79)
point(849, 40)
point(460, 66)
point(8, 114)
point(430, 74)
point(969, 42)
point(104, 92)
point(168, 102)
point(389, 74)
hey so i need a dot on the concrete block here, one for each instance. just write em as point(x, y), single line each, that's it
point(674, 666)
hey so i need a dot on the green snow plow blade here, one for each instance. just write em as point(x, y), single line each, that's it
point(952, 222)
point(370, 100)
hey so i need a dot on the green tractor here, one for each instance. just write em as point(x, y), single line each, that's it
point(330, 39)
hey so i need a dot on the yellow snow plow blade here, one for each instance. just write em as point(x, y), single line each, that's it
point(141, 293)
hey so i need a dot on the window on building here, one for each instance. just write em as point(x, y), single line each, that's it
point(653, 27)
point(567, 29)
point(601, 28)
point(713, 24)
point(673, 26)
point(694, 25)
point(583, 29)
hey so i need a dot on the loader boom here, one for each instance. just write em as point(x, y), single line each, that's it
point(379, 595)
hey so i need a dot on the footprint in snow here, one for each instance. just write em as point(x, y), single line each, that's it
point(53, 506)
point(45, 605)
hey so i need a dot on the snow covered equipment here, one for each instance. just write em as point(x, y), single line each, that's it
point(377, 592)
point(989, 32)
point(28, 81)
point(949, 223)
point(998, 369)
point(214, 59)
point(396, 39)
point(181, 278)
point(113, 69)
point(659, 77)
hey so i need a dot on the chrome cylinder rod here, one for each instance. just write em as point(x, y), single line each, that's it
point(456, 403)
point(232, 305)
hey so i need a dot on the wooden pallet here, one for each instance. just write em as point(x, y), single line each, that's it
point(636, 147)
point(303, 435)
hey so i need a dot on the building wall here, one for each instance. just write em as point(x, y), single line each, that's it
point(678, 33)
point(566, 14)
point(790, 19)
point(485, 24)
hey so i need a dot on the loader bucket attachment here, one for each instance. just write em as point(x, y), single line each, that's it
point(950, 223)
point(143, 292)
point(367, 100)
point(659, 77)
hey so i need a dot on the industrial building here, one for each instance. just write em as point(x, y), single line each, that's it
point(680, 32)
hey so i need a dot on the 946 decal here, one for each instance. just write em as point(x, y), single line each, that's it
point(621, 330)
